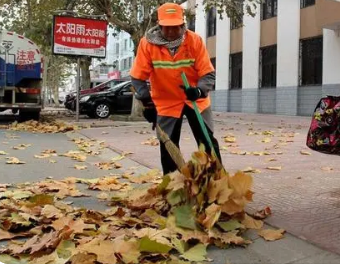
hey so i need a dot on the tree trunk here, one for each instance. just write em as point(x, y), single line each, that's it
point(56, 95)
point(85, 63)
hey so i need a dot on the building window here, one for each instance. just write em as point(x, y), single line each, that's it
point(117, 48)
point(211, 22)
point(268, 62)
point(306, 3)
point(269, 9)
point(236, 70)
point(125, 45)
point(125, 64)
point(130, 62)
point(311, 61)
point(103, 69)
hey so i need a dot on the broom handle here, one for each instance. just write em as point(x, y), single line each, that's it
point(199, 116)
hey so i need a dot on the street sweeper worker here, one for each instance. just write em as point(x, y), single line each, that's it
point(166, 51)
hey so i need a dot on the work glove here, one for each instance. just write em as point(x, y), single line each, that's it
point(150, 112)
point(193, 93)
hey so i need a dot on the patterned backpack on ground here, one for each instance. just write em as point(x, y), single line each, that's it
point(324, 131)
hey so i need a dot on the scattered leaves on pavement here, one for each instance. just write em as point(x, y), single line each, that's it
point(42, 127)
point(180, 213)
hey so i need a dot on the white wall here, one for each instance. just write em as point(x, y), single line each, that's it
point(251, 46)
point(222, 52)
point(288, 34)
point(200, 20)
point(331, 57)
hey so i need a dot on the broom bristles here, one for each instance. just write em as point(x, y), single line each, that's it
point(172, 149)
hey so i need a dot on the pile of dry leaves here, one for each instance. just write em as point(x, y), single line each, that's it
point(42, 127)
point(173, 219)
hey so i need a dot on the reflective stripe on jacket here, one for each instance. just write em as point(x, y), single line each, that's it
point(155, 63)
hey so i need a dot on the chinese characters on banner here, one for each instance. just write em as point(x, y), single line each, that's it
point(79, 36)
point(25, 59)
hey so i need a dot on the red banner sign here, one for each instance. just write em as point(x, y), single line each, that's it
point(79, 36)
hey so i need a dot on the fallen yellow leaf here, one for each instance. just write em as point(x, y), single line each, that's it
point(14, 160)
point(80, 167)
point(42, 156)
point(305, 153)
point(251, 223)
point(266, 140)
point(251, 170)
point(271, 235)
point(327, 168)
point(230, 139)
point(3, 153)
point(274, 168)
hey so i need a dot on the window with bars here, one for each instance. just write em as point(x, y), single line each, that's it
point(268, 65)
point(268, 9)
point(211, 22)
point(236, 70)
point(103, 69)
point(306, 3)
point(311, 61)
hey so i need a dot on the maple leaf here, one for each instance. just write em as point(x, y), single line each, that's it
point(197, 253)
point(148, 245)
point(83, 258)
point(103, 249)
point(251, 223)
point(230, 225)
point(227, 238)
point(185, 217)
point(160, 236)
point(212, 213)
point(219, 190)
point(77, 226)
point(240, 183)
point(186, 233)
point(271, 235)
point(177, 180)
point(50, 211)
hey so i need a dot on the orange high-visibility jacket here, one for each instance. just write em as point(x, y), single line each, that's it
point(155, 63)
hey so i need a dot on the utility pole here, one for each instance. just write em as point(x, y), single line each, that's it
point(78, 89)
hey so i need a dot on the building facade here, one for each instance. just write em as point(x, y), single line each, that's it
point(119, 57)
point(281, 61)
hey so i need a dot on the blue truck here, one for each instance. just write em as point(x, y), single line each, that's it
point(21, 65)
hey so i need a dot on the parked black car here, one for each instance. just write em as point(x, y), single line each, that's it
point(114, 100)
point(70, 99)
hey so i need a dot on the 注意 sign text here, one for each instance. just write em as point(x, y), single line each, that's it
point(79, 36)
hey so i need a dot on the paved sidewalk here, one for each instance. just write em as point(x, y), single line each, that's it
point(304, 195)
point(290, 249)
